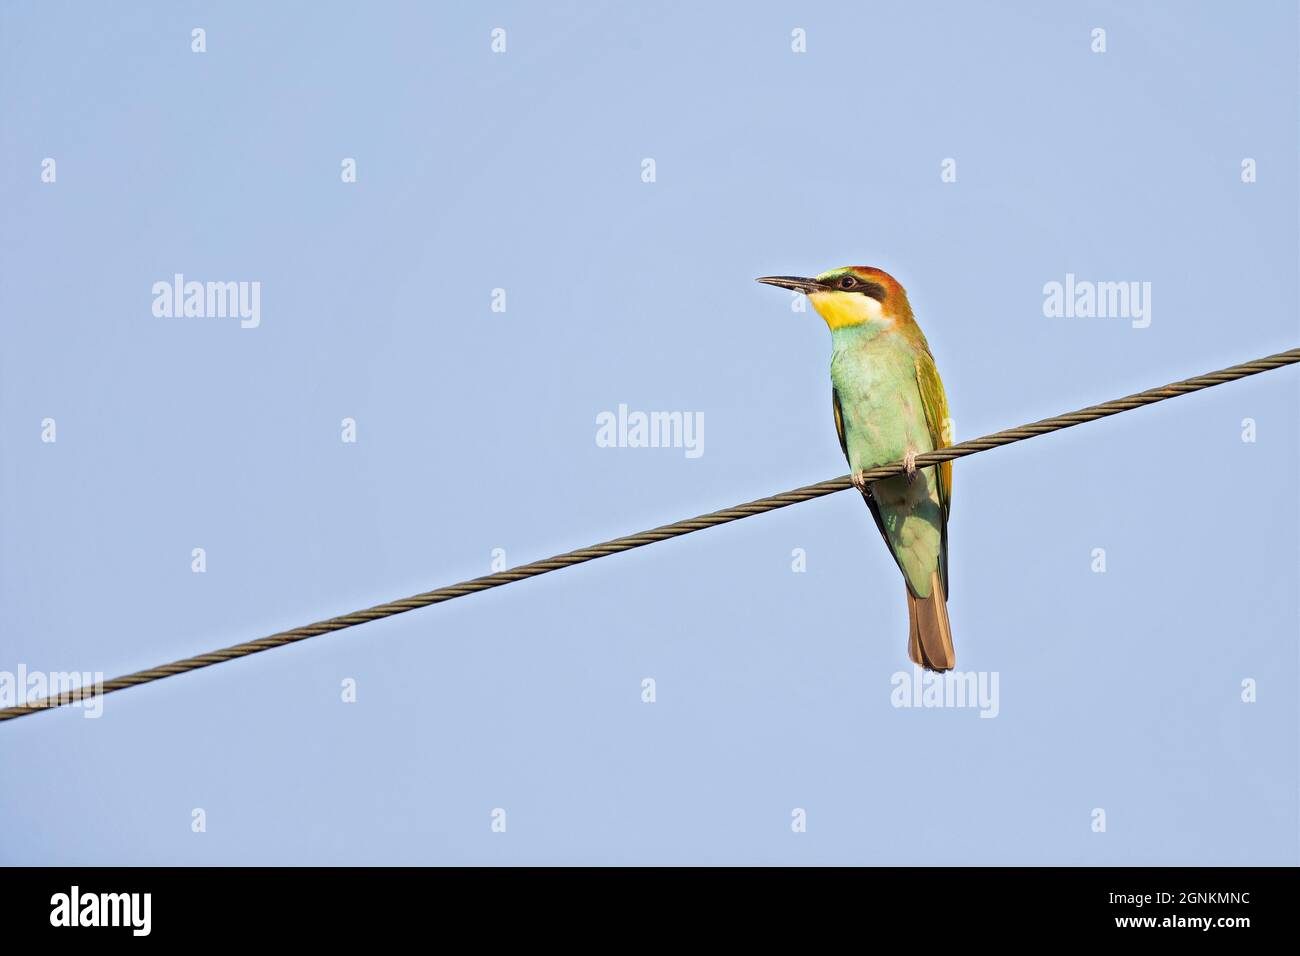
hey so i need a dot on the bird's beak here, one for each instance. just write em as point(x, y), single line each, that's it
point(795, 283)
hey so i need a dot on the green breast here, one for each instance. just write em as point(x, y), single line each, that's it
point(875, 379)
point(884, 419)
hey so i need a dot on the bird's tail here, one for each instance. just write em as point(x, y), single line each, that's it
point(929, 642)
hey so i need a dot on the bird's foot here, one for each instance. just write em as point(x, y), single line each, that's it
point(909, 465)
point(859, 482)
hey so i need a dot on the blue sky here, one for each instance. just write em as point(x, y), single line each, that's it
point(522, 171)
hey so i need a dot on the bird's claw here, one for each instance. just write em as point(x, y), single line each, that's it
point(909, 466)
point(859, 482)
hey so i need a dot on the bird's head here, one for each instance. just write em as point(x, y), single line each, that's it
point(851, 296)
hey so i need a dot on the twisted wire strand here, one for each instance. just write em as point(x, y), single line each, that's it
point(662, 533)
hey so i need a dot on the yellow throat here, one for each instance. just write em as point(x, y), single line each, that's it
point(843, 309)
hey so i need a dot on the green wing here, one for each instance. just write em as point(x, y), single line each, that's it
point(935, 403)
point(839, 421)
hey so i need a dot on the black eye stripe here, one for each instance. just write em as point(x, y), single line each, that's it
point(861, 286)
point(876, 292)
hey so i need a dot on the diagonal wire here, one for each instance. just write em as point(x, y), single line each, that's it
point(663, 533)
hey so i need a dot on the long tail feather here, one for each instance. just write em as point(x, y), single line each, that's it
point(929, 641)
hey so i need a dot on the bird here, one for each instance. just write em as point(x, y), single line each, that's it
point(890, 405)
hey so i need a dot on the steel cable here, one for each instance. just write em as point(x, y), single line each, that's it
point(663, 533)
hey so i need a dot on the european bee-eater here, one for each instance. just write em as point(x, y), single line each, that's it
point(890, 406)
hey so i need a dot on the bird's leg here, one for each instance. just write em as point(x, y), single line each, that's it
point(859, 482)
point(909, 465)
